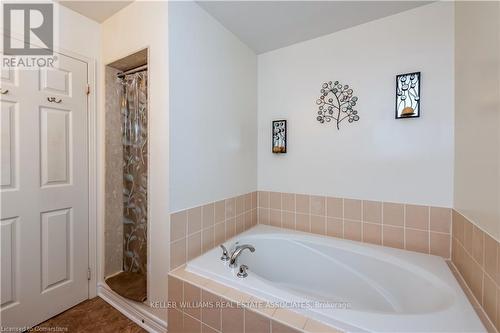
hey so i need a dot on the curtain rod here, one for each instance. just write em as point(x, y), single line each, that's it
point(133, 70)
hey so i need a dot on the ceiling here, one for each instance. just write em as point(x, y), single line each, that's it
point(269, 25)
point(96, 10)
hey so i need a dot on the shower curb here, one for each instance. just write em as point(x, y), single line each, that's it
point(132, 310)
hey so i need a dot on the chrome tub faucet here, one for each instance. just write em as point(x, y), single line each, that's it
point(224, 256)
point(237, 252)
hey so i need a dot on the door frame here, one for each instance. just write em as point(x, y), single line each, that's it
point(101, 286)
point(92, 151)
point(142, 314)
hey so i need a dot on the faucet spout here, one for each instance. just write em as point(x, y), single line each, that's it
point(237, 252)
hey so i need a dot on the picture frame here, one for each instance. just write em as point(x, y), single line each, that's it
point(279, 136)
point(408, 95)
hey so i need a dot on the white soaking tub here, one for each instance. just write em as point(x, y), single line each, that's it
point(353, 286)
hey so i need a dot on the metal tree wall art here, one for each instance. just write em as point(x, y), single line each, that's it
point(336, 103)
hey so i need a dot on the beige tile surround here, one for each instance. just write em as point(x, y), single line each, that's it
point(412, 227)
point(199, 305)
point(476, 257)
point(196, 230)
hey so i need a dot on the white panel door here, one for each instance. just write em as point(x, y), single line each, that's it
point(44, 192)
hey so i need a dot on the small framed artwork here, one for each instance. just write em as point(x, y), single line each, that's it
point(408, 95)
point(279, 136)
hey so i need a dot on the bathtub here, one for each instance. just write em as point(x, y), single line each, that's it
point(356, 287)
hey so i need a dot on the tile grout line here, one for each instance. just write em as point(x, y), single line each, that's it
point(281, 212)
point(451, 233)
point(362, 221)
point(382, 222)
point(186, 242)
point(308, 226)
point(404, 227)
point(295, 212)
point(429, 230)
point(343, 219)
point(213, 231)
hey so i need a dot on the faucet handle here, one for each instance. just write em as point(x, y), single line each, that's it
point(242, 272)
point(224, 256)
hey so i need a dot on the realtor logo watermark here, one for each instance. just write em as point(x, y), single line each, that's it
point(35, 23)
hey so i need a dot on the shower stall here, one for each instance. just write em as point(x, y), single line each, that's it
point(126, 192)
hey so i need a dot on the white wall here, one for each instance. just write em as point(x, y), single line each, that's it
point(76, 32)
point(379, 157)
point(213, 109)
point(477, 118)
point(140, 25)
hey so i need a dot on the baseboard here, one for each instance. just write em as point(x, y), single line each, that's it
point(132, 310)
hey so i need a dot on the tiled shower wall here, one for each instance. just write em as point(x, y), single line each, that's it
point(417, 228)
point(113, 225)
point(476, 255)
point(196, 230)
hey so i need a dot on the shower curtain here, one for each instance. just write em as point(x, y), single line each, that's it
point(135, 176)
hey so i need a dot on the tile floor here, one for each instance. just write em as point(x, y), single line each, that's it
point(93, 315)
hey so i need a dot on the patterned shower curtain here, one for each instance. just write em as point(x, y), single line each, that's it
point(135, 164)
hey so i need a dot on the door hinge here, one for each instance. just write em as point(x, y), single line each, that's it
point(88, 274)
point(88, 89)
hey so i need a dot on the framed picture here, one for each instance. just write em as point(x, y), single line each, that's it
point(279, 136)
point(408, 95)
